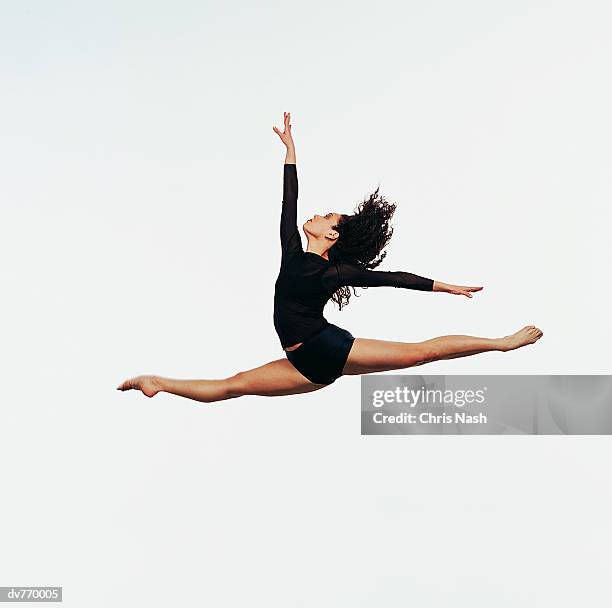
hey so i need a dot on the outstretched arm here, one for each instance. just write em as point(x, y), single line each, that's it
point(289, 234)
point(350, 274)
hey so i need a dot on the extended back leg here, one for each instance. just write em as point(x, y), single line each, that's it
point(275, 378)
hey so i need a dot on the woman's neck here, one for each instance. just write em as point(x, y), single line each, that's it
point(313, 248)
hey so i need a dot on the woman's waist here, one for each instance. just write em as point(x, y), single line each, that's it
point(310, 336)
point(290, 348)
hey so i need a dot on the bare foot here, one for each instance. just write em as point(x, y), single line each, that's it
point(528, 335)
point(149, 385)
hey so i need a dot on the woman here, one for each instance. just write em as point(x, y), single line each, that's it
point(341, 252)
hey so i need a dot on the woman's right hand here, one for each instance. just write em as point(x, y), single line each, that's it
point(286, 134)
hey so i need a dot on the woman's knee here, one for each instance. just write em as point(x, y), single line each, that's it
point(424, 352)
point(237, 385)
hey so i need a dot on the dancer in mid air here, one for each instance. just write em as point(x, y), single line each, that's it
point(341, 252)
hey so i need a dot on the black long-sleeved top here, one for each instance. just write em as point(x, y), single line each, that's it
point(307, 280)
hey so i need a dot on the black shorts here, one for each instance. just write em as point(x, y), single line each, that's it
point(321, 357)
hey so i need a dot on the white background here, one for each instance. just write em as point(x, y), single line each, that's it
point(141, 185)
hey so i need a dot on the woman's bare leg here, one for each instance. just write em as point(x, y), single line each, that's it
point(272, 379)
point(280, 377)
point(368, 356)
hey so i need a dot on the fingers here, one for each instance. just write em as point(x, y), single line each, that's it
point(462, 292)
point(286, 124)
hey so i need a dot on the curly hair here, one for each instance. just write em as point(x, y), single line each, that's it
point(362, 237)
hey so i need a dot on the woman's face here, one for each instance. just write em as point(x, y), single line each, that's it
point(320, 226)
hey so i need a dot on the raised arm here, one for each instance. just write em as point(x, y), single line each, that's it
point(350, 274)
point(289, 233)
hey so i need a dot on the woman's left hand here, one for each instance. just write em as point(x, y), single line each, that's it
point(458, 290)
point(462, 290)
